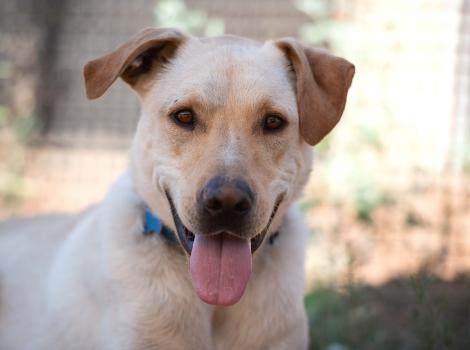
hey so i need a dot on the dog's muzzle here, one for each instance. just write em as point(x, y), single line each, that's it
point(220, 260)
point(224, 206)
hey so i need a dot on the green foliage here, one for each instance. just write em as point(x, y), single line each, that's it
point(368, 197)
point(322, 30)
point(175, 13)
point(414, 219)
point(466, 157)
point(410, 314)
point(307, 204)
point(12, 190)
point(3, 116)
point(6, 69)
point(13, 187)
point(16, 132)
point(344, 320)
point(427, 314)
point(24, 128)
point(322, 149)
point(370, 137)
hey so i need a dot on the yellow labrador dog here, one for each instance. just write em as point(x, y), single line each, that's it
point(197, 245)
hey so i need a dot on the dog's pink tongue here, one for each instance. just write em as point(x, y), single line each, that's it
point(220, 267)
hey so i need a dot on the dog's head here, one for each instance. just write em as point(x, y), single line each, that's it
point(222, 145)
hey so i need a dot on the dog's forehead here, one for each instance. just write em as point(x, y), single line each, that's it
point(230, 68)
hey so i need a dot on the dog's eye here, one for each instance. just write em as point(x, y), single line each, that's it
point(184, 117)
point(273, 122)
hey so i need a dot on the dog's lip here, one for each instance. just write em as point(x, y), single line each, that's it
point(182, 232)
point(186, 237)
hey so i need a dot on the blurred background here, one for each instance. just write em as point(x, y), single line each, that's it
point(389, 200)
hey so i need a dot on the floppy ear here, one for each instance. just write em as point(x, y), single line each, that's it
point(322, 83)
point(132, 60)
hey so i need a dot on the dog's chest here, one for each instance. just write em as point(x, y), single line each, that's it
point(250, 324)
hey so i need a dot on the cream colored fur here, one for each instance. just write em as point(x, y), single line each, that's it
point(94, 281)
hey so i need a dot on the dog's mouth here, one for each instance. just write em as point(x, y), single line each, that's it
point(187, 237)
point(220, 264)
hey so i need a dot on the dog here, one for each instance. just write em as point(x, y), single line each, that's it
point(198, 244)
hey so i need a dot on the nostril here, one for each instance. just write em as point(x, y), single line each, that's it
point(213, 204)
point(243, 206)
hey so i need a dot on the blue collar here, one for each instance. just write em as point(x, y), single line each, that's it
point(153, 225)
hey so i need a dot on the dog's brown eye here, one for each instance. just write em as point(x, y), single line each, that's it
point(273, 122)
point(184, 117)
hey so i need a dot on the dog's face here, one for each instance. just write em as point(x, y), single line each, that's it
point(222, 118)
point(222, 145)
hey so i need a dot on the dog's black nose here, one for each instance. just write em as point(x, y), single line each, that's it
point(226, 200)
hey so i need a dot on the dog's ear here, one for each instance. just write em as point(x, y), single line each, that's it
point(322, 84)
point(132, 60)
